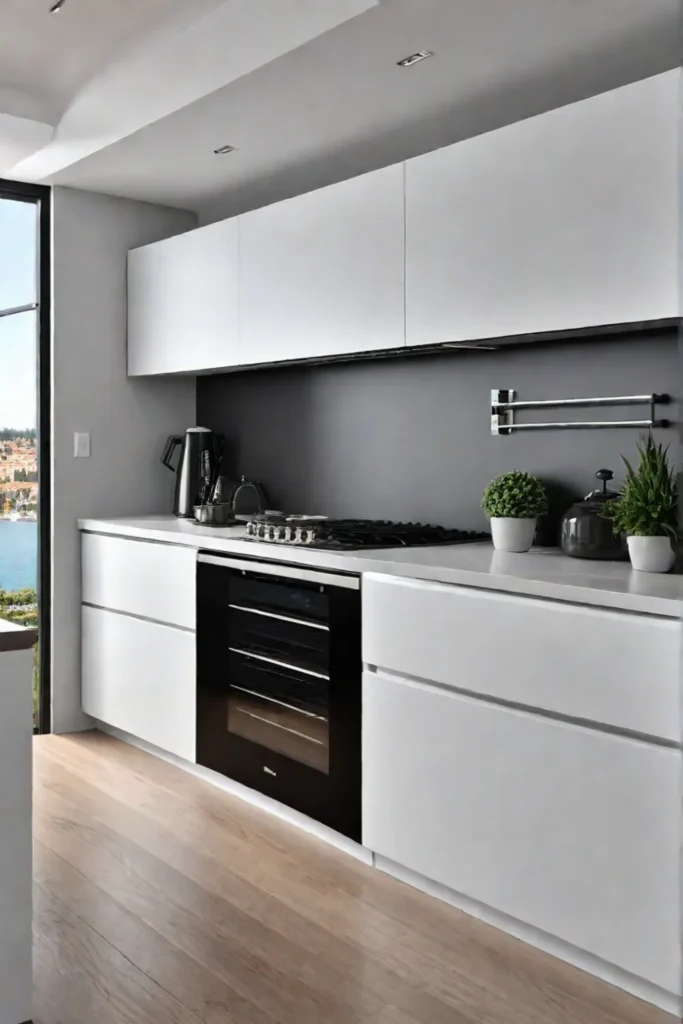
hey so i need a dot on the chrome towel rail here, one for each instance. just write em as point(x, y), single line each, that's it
point(504, 406)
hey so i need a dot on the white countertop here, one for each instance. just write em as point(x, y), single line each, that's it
point(542, 572)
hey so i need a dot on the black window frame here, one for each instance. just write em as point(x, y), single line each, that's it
point(41, 196)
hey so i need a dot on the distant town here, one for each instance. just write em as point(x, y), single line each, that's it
point(18, 475)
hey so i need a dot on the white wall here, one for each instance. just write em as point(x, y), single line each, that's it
point(128, 420)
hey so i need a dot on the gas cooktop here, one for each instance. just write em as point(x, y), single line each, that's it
point(352, 534)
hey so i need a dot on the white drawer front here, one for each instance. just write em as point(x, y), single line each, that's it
point(157, 581)
point(609, 667)
point(140, 677)
point(567, 829)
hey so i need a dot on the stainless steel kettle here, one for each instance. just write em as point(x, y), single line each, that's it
point(190, 469)
point(586, 532)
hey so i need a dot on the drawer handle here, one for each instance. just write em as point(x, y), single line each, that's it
point(269, 771)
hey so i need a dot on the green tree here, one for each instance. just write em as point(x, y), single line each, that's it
point(25, 596)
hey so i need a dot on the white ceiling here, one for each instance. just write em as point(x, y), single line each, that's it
point(325, 100)
point(200, 46)
point(45, 59)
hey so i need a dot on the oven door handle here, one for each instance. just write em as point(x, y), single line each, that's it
point(280, 618)
point(279, 664)
point(285, 572)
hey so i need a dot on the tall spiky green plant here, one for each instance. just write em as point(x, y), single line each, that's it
point(647, 506)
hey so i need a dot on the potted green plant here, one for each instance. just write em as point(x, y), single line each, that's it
point(513, 502)
point(647, 510)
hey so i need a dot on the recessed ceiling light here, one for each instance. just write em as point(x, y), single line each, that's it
point(224, 149)
point(57, 6)
point(414, 58)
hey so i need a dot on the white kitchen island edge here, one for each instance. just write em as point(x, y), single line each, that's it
point(16, 732)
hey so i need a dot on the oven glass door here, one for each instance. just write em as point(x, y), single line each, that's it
point(279, 694)
point(279, 688)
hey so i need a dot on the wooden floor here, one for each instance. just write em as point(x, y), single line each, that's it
point(161, 900)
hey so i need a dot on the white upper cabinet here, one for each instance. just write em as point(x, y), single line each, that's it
point(183, 302)
point(323, 274)
point(563, 221)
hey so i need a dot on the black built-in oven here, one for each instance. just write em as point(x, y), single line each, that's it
point(279, 684)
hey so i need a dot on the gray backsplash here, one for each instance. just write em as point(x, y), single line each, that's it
point(409, 438)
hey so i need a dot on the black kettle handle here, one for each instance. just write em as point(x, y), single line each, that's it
point(171, 445)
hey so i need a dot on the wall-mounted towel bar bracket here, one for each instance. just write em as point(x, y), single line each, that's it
point(504, 406)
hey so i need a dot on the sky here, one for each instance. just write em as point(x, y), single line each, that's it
point(18, 262)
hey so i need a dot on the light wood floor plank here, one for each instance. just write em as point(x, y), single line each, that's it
point(89, 963)
point(179, 865)
point(213, 929)
point(398, 944)
point(162, 900)
point(408, 953)
point(186, 979)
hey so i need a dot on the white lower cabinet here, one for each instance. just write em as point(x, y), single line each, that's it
point(596, 664)
point(565, 828)
point(155, 581)
point(140, 677)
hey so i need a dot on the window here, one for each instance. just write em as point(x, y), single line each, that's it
point(24, 421)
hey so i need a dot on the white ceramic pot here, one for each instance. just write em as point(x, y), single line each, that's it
point(513, 534)
point(651, 554)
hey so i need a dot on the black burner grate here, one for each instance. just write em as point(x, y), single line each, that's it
point(347, 534)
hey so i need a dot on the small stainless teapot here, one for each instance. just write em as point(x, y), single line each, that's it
point(586, 532)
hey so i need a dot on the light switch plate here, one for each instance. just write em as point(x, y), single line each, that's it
point(81, 446)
